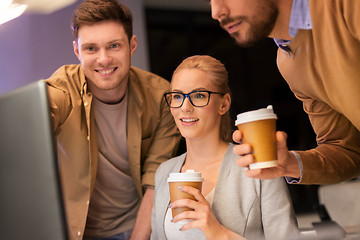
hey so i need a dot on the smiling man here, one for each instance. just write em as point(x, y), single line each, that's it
point(112, 125)
point(319, 57)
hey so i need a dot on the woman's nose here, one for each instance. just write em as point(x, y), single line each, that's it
point(187, 106)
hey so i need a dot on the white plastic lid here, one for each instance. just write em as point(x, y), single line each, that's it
point(260, 114)
point(188, 176)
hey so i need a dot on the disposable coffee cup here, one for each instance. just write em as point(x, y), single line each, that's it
point(258, 128)
point(176, 180)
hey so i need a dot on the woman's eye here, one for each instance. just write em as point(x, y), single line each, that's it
point(199, 95)
point(177, 96)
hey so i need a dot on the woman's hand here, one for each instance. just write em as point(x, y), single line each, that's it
point(202, 217)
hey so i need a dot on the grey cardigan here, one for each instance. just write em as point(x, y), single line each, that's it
point(252, 208)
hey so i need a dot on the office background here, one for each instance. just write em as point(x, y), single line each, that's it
point(34, 45)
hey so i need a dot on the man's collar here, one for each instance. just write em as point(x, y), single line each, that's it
point(300, 17)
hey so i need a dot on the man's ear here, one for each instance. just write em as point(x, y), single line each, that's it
point(76, 49)
point(133, 44)
point(225, 106)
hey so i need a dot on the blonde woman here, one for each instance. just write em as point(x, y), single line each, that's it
point(230, 205)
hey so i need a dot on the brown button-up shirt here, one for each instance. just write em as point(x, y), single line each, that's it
point(151, 132)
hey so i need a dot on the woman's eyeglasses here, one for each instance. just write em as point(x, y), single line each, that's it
point(196, 98)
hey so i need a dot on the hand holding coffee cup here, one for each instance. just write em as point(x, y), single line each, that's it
point(258, 128)
point(177, 180)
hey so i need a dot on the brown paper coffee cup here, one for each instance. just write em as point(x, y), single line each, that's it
point(258, 129)
point(176, 180)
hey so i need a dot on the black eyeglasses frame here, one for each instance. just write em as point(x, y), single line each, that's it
point(187, 95)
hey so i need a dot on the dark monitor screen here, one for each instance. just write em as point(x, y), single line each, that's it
point(31, 204)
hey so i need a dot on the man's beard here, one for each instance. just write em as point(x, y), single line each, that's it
point(259, 28)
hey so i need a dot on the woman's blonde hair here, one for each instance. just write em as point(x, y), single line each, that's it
point(218, 76)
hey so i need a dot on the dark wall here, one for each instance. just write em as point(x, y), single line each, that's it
point(253, 76)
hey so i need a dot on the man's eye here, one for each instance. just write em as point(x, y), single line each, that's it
point(90, 49)
point(115, 45)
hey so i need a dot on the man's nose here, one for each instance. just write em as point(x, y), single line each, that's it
point(218, 9)
point(104, 58)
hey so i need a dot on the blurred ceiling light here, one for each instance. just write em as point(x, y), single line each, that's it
point(10, 10)
point(44, 6)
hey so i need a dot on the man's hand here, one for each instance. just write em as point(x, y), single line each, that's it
point(287, 162)
point(142, 228)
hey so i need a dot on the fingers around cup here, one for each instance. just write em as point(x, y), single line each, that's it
point(242, 149)
point(237, 136)
point(245, 161)
point(265, 173)
point(191, 190)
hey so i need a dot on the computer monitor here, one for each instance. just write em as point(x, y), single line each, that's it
point(31, 204)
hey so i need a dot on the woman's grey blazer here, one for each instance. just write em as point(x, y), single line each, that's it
point(250, 207)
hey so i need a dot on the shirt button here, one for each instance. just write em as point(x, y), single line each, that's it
point(88, 138)
point(86, 104)
point(79, 233)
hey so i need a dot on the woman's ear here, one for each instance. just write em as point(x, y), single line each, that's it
point(225, 105)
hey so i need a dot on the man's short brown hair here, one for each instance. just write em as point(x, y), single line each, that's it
point(94, 11)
